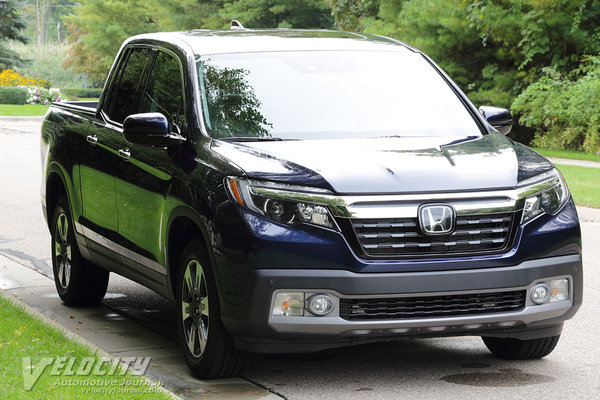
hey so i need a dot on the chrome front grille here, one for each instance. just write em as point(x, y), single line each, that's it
point(402, 236)
point(432, 306)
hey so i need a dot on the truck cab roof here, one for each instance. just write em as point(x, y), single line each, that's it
point(205, 42)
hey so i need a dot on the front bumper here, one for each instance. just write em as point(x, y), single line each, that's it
point(256, 330)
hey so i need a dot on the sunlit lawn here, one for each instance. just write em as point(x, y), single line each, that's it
point(573, 154)
point(584, 183)
point(27, 110)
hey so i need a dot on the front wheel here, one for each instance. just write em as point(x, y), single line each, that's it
point(78, 281)
point(208, 349)
point(516, 349)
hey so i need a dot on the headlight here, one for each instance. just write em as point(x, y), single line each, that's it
point(548, 201)
point(282, 203)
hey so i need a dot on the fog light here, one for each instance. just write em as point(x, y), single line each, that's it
point(320, 304)
point(540, 293)
point(559, 290)
point(289, 304)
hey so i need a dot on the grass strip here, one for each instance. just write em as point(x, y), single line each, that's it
point(572, 154)
point(26, 110)
point(24, 336)
point(584, 183)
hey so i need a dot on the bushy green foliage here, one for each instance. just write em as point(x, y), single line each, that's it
point(177, 15)
point(564, 112)
point(493, 49)
point(82, 92)
point(100, 26)
point(13, 95)
point(278, 13)
point(349, 14)
point(11, 25)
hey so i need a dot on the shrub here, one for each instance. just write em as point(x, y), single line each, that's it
point(13, 95)
point(565, 113)
point(82, 92)
point(9, 77)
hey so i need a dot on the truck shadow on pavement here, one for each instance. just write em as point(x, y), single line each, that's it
point(364, 368)
point(462, 361)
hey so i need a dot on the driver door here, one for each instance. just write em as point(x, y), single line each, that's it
point(145, 181)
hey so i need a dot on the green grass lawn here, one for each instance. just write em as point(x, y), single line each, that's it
point(573, 154)
point(584, 184)
point(23, 335)
point(27, 110)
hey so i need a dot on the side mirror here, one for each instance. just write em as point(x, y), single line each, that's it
point(149, 129)
point(497, 117)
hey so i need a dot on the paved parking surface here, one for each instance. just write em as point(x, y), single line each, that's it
point(426, 368)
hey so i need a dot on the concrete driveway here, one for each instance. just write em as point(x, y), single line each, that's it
point(139, 322)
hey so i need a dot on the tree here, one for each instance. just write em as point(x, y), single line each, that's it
point(563, 111)
point(187, 14)
point(99, 27)
point(493, 49)
point(44, 19)
point(11, 26)
point(349, 14)
point(279, 13)
point(43, 13)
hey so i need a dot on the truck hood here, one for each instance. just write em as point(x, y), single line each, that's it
point(389, 165)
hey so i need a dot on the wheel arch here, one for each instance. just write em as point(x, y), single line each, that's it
point(57, 184)
point(184, 224)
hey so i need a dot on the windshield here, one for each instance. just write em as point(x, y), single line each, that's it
point(328, 95)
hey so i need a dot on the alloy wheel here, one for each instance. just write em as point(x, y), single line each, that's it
point(62, 250)
point(194, 308)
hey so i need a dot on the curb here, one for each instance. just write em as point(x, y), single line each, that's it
point(109, 333)
point(97, 350)
point(14, 299)
point(33, 118)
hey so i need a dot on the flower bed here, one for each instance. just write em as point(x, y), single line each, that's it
point(39, 95)
point(10, 77)
point(19, 89)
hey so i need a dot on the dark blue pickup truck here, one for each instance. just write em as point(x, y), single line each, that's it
point(293, 191)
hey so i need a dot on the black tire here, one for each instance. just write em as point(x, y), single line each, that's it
point(78, 281)
point(515, 349)
point(214, 354)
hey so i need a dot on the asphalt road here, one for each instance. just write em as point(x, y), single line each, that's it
point(425, 368)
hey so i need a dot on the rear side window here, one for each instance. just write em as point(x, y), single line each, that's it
point(164, 91)
point(130, 78)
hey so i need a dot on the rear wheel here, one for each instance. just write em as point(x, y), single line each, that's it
point(515, 349)
point(78, 281)
point(208, 349)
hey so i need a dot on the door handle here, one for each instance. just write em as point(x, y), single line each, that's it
point(92, 139)
point(124, 154)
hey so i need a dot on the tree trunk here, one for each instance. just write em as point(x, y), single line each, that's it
point(38, 23)
point(43, 13)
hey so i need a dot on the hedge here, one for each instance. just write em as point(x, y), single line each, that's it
point(13, 95)
point(82, 92)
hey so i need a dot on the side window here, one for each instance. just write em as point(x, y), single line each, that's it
point(124, 98)
point(164, 91)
